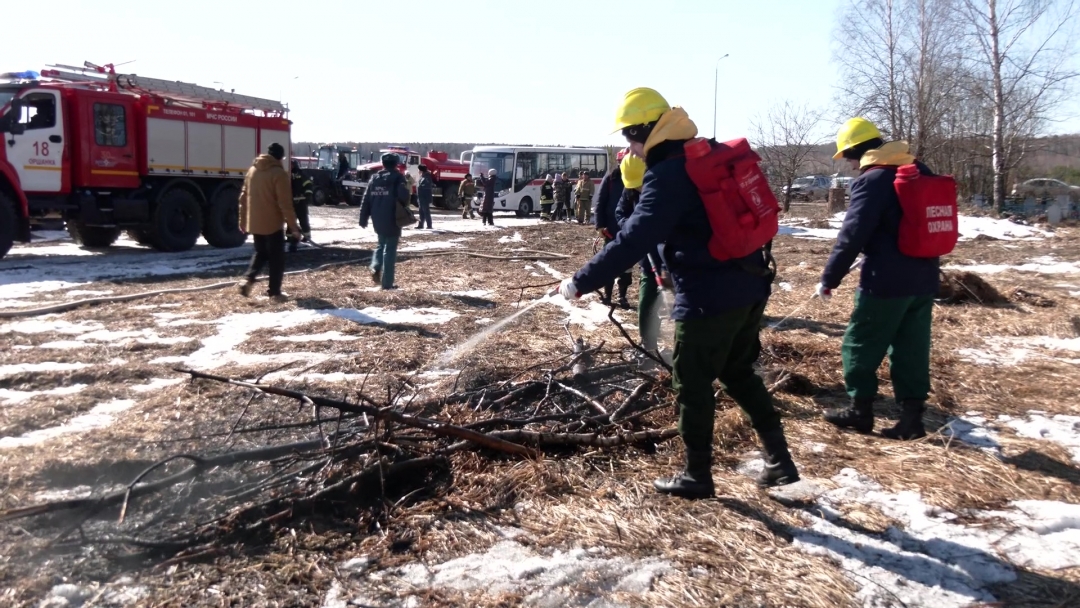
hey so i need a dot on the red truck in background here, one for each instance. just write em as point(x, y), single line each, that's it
point(448, 174)
point(108, 152)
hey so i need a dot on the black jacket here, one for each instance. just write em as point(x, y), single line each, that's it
point(489, 193)
point(611, 189)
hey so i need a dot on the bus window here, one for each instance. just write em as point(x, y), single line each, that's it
point(502, 162)
point(552, 163)
point(526, 170)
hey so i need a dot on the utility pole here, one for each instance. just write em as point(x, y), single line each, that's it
point(716, 88)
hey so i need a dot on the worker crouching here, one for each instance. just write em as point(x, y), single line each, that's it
point(718, 304)
point(895, 299)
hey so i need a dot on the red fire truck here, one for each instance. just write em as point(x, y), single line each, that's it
point(107, 152)
point(448, 174)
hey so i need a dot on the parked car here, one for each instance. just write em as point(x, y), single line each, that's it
point(1044, 187)
point(839, 181)
point(811, 187)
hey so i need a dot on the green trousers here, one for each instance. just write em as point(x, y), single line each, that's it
point(897, 327)
point(725, 347)
point(648, 311)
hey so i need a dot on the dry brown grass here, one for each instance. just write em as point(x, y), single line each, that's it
point(601, 498)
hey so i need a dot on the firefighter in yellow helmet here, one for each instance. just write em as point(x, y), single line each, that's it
point(718, 305)
point(894, 303)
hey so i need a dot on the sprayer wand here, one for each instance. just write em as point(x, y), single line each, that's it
point(655, 271)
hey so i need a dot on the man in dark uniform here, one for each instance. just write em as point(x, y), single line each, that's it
point(425, 194)
point(547, 198)
point(488, 208)
point(607, 224)
point(301, 195)
point(384, 193)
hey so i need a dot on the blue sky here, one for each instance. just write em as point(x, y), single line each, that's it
point(466, 71)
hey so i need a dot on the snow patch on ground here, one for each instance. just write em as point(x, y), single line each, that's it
point(970, 227)
point(1060, 429)
point(517, 238)
point(1041, 265)
point(973, 430)
point(23, 368)
point(122, 592)
point(426, 245)
point(331, 378)
point(929, 559)
point(79, 293)
point(233, 330)
point(575, 578)
point(1013, 350)
point(156, 384)
point(1005, 230)
point(13, 396)
point(547, 268)
point(100, 416)
point(49, 324)
point(326, 336)
point(802, 232)
point(590, 316)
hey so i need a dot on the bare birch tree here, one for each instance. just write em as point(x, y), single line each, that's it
point(785, 138)
point(1024, 47)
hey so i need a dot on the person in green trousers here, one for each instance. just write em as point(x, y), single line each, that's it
point(718, 304)
point(895, 300)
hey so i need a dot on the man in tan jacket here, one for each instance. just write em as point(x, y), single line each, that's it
point(266, 205)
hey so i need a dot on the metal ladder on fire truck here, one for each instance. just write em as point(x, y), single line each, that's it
point(174, 90)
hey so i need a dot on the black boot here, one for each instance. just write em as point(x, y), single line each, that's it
point(605, 299)
point(695, 481)
point(910, 425)
point(859, 415)
point(623, 302)
point(779, 468)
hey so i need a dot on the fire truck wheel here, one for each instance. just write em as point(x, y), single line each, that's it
point(319, 197)
point(221, 225)
point(7, 224)
point(525, 207)
point(176, 221)
point(354, 198)
point(450, 198)
point(91, 236)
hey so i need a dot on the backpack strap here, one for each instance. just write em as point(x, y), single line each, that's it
point(769, 272)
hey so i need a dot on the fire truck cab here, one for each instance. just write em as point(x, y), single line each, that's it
point(107, 152)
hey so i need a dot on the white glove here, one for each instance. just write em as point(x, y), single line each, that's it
point(568, 290)
point(823, 292)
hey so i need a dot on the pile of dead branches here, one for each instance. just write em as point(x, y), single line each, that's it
point(364, 453)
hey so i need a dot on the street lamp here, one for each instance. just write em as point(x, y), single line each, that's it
point(716, 87)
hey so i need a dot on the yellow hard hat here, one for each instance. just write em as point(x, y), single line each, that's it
point(633, 171)
point(640, 106)
point(854, 132)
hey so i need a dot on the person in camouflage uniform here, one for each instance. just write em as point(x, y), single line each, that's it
point(466, 192)
point(584, 198)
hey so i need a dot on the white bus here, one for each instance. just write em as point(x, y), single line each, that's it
point(520, 171)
